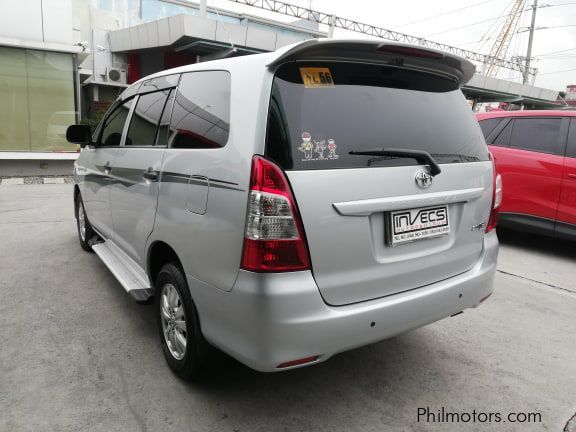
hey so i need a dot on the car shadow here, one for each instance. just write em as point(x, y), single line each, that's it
point(382, 371)
point(548, 245)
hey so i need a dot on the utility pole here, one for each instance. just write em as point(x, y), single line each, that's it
point(526, 75)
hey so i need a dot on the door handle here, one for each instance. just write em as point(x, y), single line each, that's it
point(572, 176)
point(150, 175)
point(107, 167)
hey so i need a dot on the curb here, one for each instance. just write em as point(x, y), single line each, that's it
point(20, 181)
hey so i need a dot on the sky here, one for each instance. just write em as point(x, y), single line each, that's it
point(474, 27)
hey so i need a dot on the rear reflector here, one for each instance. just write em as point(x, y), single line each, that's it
point(297, 362)
point(274, 237)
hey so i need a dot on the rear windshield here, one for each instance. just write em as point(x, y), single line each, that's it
point(319, 112)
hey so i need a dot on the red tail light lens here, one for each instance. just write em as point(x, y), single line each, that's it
point(274, 237)
point(496, 199)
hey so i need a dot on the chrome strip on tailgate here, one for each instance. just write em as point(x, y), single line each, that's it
point(369, 206)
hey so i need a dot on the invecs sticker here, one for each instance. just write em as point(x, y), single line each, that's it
point(316, 77)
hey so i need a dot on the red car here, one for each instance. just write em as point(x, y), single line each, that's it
point(535, 153)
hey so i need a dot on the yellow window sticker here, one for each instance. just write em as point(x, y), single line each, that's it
point(316, 77)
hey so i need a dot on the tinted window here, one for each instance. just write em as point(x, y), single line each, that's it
point(503, 138)
point(571, 149)
point(114, 125)
point(537, 134)
point(488, 125)
point(201, 113)
point(144, 122)
point(365, 107)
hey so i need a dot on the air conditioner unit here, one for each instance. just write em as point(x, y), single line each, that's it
point(116, 75)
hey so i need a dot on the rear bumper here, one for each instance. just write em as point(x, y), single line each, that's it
point(268, 319)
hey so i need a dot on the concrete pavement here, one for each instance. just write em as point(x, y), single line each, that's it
point(78, 355)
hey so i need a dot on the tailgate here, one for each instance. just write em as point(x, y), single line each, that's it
point(347, 218)
point(380, 225)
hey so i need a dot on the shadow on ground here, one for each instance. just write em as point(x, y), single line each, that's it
point(538, 243)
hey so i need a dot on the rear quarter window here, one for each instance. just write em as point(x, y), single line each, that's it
point(359, 107)
point(488, 125)
point(201, 112)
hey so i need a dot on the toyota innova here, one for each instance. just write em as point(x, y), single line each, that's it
point(287, 206)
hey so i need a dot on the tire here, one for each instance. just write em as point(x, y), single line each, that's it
point(177, 321)
point(85, 231)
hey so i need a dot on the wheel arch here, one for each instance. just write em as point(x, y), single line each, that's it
point(160, 253)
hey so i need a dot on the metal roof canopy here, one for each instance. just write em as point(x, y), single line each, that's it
point(179, 30)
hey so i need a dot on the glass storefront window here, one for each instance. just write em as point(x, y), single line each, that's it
point(14, 121)
point(37, 91)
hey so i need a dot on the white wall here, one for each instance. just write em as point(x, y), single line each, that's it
point(48, 21)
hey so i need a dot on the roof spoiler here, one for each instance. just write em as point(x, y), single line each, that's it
point(376, 51)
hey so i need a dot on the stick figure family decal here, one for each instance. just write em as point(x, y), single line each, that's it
point(310, 146)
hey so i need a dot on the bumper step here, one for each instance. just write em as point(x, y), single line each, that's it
point(130, 275)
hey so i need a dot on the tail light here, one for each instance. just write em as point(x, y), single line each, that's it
point(496, 199)
point(274, 238)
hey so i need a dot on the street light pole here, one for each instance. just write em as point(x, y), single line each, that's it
point(526, 75)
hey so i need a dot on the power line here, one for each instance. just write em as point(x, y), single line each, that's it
point(561, 57)
point(555, 72)
point(555, 52)
point(468, 25)
point(478, 40)
point(555, 27)
point(334, 21)
point(444, 13)
point(560, 4)
point(491, 29)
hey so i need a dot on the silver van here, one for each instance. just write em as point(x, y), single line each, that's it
point(287, 206)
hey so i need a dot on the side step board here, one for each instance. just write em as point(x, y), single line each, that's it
point(129, 274)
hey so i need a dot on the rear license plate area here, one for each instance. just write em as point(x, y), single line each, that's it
point(417, 224)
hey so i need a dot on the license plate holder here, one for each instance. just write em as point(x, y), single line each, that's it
point(417, 224)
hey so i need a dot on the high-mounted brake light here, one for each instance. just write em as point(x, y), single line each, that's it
point(274, 237)
point(496, 198)
point(409, 52)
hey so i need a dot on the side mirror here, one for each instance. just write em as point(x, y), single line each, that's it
point(79, 134)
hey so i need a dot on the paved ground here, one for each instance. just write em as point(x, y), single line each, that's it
point(77, 355)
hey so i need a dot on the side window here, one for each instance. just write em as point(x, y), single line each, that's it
point(489, 125)
point(571, 149)
point(537, 134)
point(144, 122)
point(201, 114)
point(114, 125)
point(503, 138)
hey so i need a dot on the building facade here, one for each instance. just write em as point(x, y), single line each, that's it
point(65, 61)
point(38, 89)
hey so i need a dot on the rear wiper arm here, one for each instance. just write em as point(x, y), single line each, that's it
point(421, 156)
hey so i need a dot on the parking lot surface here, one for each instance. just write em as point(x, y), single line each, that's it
point(78, 355)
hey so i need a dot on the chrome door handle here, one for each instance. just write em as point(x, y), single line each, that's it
point(107, 167)
point(150, 175)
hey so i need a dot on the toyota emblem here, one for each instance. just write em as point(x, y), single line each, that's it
point(423, 179)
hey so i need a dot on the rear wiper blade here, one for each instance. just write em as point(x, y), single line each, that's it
point(421, 156)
